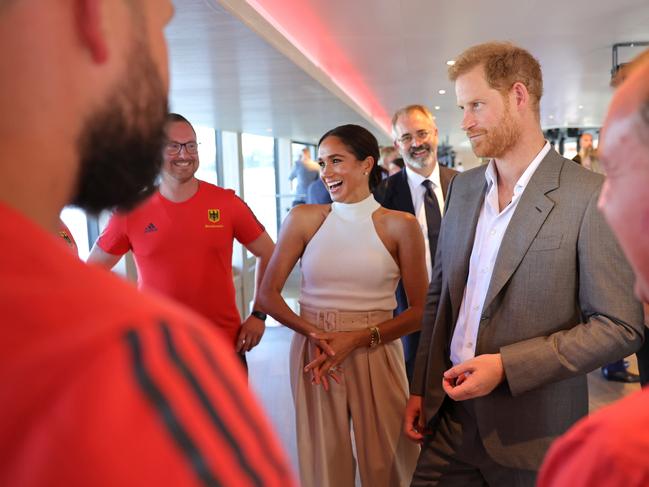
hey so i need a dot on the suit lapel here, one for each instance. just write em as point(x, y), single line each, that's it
point(445, 176)
point(531, 212)
point(468, 205)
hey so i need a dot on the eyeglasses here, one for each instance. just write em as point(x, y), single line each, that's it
point(173, 148)
point(419, 135)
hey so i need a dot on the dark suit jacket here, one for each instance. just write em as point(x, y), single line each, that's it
point(394, 193)
point(560, 304)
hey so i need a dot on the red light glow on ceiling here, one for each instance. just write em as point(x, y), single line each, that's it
point(295, 20)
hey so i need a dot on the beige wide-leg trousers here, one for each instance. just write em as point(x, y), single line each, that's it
point(372, 396)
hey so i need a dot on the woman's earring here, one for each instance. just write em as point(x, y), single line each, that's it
point(365, 173)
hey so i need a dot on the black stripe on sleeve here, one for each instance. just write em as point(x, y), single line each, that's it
point(213, 414)
point(244, 409)
point(169, 418)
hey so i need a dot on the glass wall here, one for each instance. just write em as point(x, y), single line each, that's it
point(259, 185)
point(206, 154)
point(570, 148)
point(76, 220)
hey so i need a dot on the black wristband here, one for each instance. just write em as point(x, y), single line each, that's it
point(258, 314)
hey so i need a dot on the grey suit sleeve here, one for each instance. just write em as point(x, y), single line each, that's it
point(613, 322)
point(418, 383)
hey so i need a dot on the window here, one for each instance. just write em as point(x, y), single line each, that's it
point(76, 220)
point(259, 179)
point(206, 154)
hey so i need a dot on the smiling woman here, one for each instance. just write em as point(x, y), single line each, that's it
point(352, 253)
point(347, 153)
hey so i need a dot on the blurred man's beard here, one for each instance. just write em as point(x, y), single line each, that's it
point(120, 147)
point(588, 152)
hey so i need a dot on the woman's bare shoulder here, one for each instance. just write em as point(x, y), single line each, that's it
point(397, 218)
point(306, 211)
point(307, 216)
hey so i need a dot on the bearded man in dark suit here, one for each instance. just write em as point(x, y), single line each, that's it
point(419, 188)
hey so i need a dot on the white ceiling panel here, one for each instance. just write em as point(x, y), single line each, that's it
point(227, 69)
point(225, 76)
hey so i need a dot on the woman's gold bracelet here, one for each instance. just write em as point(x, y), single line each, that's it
point(375, 336)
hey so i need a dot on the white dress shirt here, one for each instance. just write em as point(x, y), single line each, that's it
point(491, 227)
point(417, 192)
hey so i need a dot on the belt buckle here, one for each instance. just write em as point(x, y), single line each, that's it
point(328, 318)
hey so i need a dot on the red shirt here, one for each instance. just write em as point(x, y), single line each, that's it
point(103, 386)
point(609, 448)
point(184, 250)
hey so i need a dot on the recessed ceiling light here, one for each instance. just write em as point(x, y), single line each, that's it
point(450, 62)
point(442, 92)
point(581, 107)
point(551, 117)
point(437, 107)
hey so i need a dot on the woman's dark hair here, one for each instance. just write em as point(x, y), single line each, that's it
point(361, 143)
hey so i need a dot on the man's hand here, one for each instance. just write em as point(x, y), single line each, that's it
point(250, 334)
point(476, 377)
point(414, 421)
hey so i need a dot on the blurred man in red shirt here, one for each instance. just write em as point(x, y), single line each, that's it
point(101, 385)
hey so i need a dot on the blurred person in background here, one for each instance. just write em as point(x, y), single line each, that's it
point(395, 166)
point(306, 171)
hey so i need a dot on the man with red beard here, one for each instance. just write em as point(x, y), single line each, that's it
point(419, 188)
point(182, 239)
point(530, 290)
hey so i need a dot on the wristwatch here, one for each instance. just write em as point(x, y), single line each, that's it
point(258, 314)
